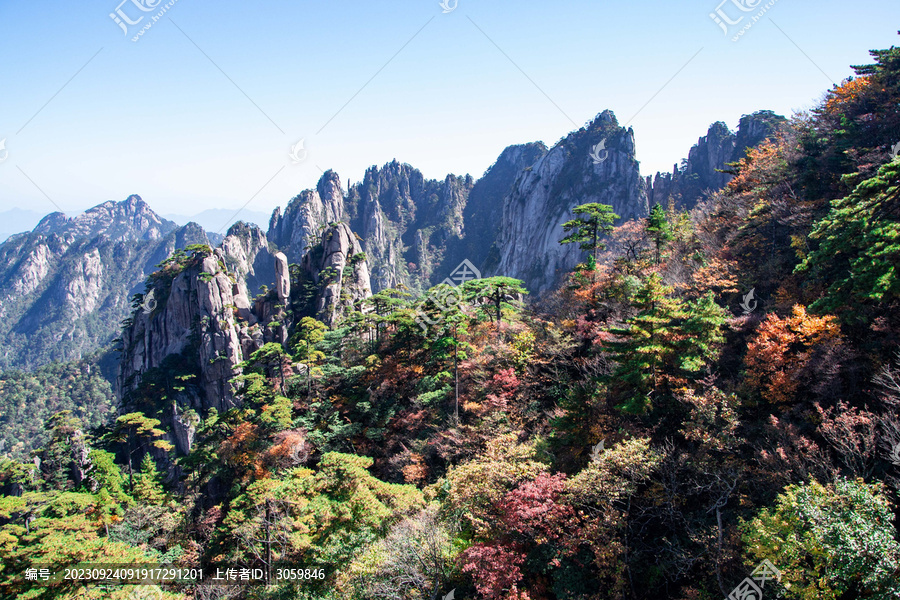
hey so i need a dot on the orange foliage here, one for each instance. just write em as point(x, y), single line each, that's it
point(847, 93)
point(763, 166)
point(718, 275)
point(289, 450)
point(415, 472)
point(238, 450)
point(783, 348)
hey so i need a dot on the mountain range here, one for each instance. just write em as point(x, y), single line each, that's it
point(66, 285)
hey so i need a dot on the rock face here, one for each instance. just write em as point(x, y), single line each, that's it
point(66, 285)
point(282, 277)
point(194, 315)
point(415, 230)
point(300, 227)
point(338, 270)
point(406, 222)
point(701, 173)
point(483, 213)
point(594, 164)
point(201, 321)
point(246, 253)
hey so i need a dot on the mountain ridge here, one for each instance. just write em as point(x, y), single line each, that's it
point(413, 230)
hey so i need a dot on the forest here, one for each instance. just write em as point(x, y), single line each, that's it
point(708, 403)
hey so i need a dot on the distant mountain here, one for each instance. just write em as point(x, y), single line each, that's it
point(218, 220)
point(66, 285)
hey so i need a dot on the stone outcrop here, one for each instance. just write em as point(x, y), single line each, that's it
point(339, 271)
point(301, 224)
point(282, 277)
point(701, 173)
point(246, 253)
point(594, 164)
point(195, 315)
point(197, 311)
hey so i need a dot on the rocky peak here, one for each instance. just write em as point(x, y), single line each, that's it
point(593, 164)
point(406, 221)
point(65, 286)
point(246, 253)
point(306, 215)
point(483, 211)
point(200, 311)
point(339, 272)
point(329, 189)
point(130, 219)
point(700, 174)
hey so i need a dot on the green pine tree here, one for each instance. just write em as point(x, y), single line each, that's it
point(148, 484)
point(858, 249)
point(499, 292)
point(595, 220)
point(659, 229)
point(645, 344)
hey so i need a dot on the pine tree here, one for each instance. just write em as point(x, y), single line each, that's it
point(659, 229)
point(859, 248)
point(136, 431)
point(500, 292)
point(645, 345)
point(596, 220)
point(701, 334)
point(148, 484)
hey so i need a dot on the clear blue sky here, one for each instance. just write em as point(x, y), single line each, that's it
point(157, 118)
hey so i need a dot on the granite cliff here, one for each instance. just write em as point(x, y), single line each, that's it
point(594, 164)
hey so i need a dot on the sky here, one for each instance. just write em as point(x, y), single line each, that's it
point(205, 108)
